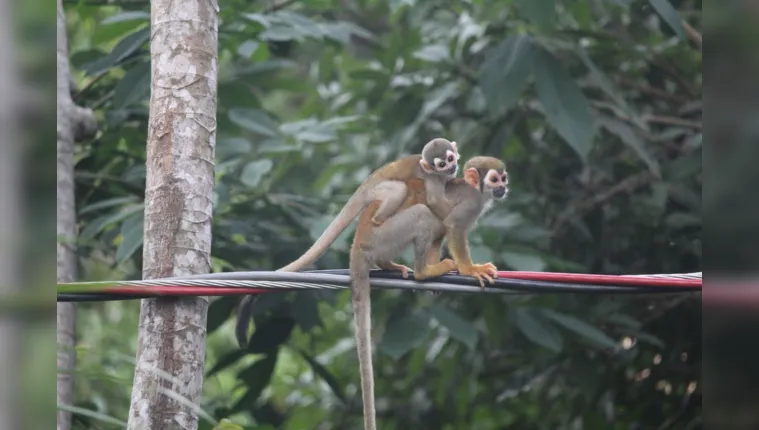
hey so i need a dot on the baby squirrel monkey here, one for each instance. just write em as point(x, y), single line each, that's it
point(389, 186)
point(485, 179)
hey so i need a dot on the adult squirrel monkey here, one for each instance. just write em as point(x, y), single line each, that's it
point(436, 165)
point(389, 186)
point(485, 179)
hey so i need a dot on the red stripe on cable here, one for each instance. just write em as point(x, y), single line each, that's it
point(582, 278)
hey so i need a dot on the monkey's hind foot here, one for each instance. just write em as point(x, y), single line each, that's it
point(481, 272)
point(395, 267)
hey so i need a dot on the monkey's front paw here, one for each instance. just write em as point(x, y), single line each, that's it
point(481, 272)
point(376, 222)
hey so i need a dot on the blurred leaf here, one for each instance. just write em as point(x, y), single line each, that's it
point(460, 329)
point(229, 146)
point(126, 47)
point(540, 12)
point(565, 106)
point(133, 15)
point(523, 261)
point(254, 171)
point(404, 334)
point(433, 53)
point(305, 310)
point(683, 220)
point(540, 332)
point(107, 203)
point(92, 414)
point(219, 311)
point(226, 424)
point(133, 87)
point(131, 237)
point(226, 361)
point(325, 374)
point(309, 130)
point(504, 74)
point(256, 378)
point(269, 335)
point(254, 120)
point(501, 221)
point(631, 139)
point(582, 328)
point(669, 15)
point(98, 224)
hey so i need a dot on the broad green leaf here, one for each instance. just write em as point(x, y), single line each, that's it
point(219, 311)
point(501, 221)
point(537, 330)
point(582, 328)
point(404, 334)
point(229, 146)
point(256, 378)
point(309, 130)
point(92, 414)
point(131, 237)
point(523, 261)
point(254, 171)
point(565, 106)
point(669, 14)
point(133, 87)
point(630, 138)
point(128, 45)
point(270, 334)
point(325, 374)
point(460, 329)
point(540, 12)
point(97, 225)
point(107, 203)
point(608, 87)
point(504, 73)
point(226, 361)
point(305, 310)
point(254, 120)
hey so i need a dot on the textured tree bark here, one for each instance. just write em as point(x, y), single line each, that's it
point(178, 209)
point(74, 123)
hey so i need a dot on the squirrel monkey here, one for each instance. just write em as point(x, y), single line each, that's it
point(436, 165)
point(389, 186)
point(485, 179)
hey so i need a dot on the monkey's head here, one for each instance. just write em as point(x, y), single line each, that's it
point(440, 157)
point(488, 175)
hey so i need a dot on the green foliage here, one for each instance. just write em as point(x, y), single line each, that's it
point(594, 106)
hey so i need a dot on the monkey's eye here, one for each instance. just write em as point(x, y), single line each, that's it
point(450, 158)
point(494, 179)
point(504, 178)
point(441, 164)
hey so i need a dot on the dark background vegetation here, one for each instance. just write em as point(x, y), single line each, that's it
point(596, 108)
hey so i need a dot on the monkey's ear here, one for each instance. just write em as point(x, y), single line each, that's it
point(425, 166)
point(472, 177)
point(453, 144)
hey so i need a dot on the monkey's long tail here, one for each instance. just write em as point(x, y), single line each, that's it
point(244, 313)
point(351, 209)
point(361, 299)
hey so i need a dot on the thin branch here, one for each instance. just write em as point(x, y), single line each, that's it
point(693, 34)
point(660, 119)
point(651, 90)
point(627, 185)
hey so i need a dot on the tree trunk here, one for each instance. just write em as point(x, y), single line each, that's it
point(178, 210)
point(74, 123)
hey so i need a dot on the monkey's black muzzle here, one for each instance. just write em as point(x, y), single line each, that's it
point(453, 170)
point(499, 192)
